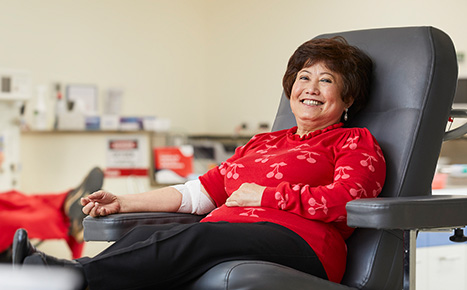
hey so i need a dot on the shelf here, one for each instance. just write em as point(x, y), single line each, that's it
point(97, 132)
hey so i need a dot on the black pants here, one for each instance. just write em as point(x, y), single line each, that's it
point(168, 256)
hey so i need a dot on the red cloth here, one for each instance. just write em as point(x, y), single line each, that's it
point(41, 215)
point(309, 180)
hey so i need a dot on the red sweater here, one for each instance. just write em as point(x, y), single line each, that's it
point(309, 180)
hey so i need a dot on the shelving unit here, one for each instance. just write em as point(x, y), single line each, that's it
point(51, 159)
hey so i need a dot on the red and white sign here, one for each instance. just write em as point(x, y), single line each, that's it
point(126, 156)
point(173, 164)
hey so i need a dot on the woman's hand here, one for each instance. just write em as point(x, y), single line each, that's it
point(248, 194)
point(101, 203)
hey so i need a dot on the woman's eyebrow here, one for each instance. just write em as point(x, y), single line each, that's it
point(327, 73)
point(320, 74)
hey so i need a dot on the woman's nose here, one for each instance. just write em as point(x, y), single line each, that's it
point(312, 89)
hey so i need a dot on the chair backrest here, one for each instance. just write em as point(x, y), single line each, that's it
point(414, 81)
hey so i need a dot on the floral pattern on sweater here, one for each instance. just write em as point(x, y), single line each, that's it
point(308, 182)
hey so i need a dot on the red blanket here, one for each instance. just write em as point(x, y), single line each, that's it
point(41, 215)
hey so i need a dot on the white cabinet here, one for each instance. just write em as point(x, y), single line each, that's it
point(441, 264)
point(53, 161)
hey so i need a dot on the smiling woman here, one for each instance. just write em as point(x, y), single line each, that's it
point(335, 64)
point(316, 99)
point(280, 198)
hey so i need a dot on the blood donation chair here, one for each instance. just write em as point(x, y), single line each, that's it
point(414, 81)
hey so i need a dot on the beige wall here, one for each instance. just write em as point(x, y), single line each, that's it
point(206, 64)
point(154, 50)
point(254, 39)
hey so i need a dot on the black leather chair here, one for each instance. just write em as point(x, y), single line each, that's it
point(415, 75)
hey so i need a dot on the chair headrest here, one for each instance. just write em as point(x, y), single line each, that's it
point(414, 80)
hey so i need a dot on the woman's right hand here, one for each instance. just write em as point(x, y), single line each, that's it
point(100, 203)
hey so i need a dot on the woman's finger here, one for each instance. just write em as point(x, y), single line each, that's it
point(88, 207)
point(231, 202)
point(85, 201)
point(94, 210)
point(103, 211)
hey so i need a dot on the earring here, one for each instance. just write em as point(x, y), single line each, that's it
point(346, 117)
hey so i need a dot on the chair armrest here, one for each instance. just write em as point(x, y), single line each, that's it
point(407, 213)
point(259, 275)
point(459, 131)
point(112, 227)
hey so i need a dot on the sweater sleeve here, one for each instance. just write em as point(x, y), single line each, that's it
point(213, 180)
point(359, 172)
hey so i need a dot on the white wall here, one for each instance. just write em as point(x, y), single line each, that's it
point(154, 50)
point(206, 64)
point(209, 65)
point(250, 43)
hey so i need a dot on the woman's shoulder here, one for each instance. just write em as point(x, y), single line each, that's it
point(337, 132)
point(269, 136)
point(354, 134)
point(262, 138)
point(356, 130)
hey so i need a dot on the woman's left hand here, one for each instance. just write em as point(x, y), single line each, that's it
point(248, 194)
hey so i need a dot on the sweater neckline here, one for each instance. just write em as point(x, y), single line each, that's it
point(292, 136)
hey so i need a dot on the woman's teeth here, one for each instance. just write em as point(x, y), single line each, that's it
point(312, 102)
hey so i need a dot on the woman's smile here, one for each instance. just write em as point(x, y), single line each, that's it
point(316, 98)
point(311, 102)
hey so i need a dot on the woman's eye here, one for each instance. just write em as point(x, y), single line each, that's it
point(326, 81)
point(304, 78)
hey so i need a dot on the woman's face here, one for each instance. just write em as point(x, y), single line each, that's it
point(316, 99)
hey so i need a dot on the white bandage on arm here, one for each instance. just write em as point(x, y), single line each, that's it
point(194, 201)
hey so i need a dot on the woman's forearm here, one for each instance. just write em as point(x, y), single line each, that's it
point(166, 199)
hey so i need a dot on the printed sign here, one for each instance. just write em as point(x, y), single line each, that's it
point(127, 156)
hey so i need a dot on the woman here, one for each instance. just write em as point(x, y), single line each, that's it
point(280, 198)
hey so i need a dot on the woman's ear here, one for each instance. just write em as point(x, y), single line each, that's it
point(349, 103)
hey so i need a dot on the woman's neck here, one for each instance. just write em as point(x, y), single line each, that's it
point(303, 131)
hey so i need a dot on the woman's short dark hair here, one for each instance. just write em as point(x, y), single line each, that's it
point(350, 62)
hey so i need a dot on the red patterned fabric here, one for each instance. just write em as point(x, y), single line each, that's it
point(309, 180)
point(40, 214)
